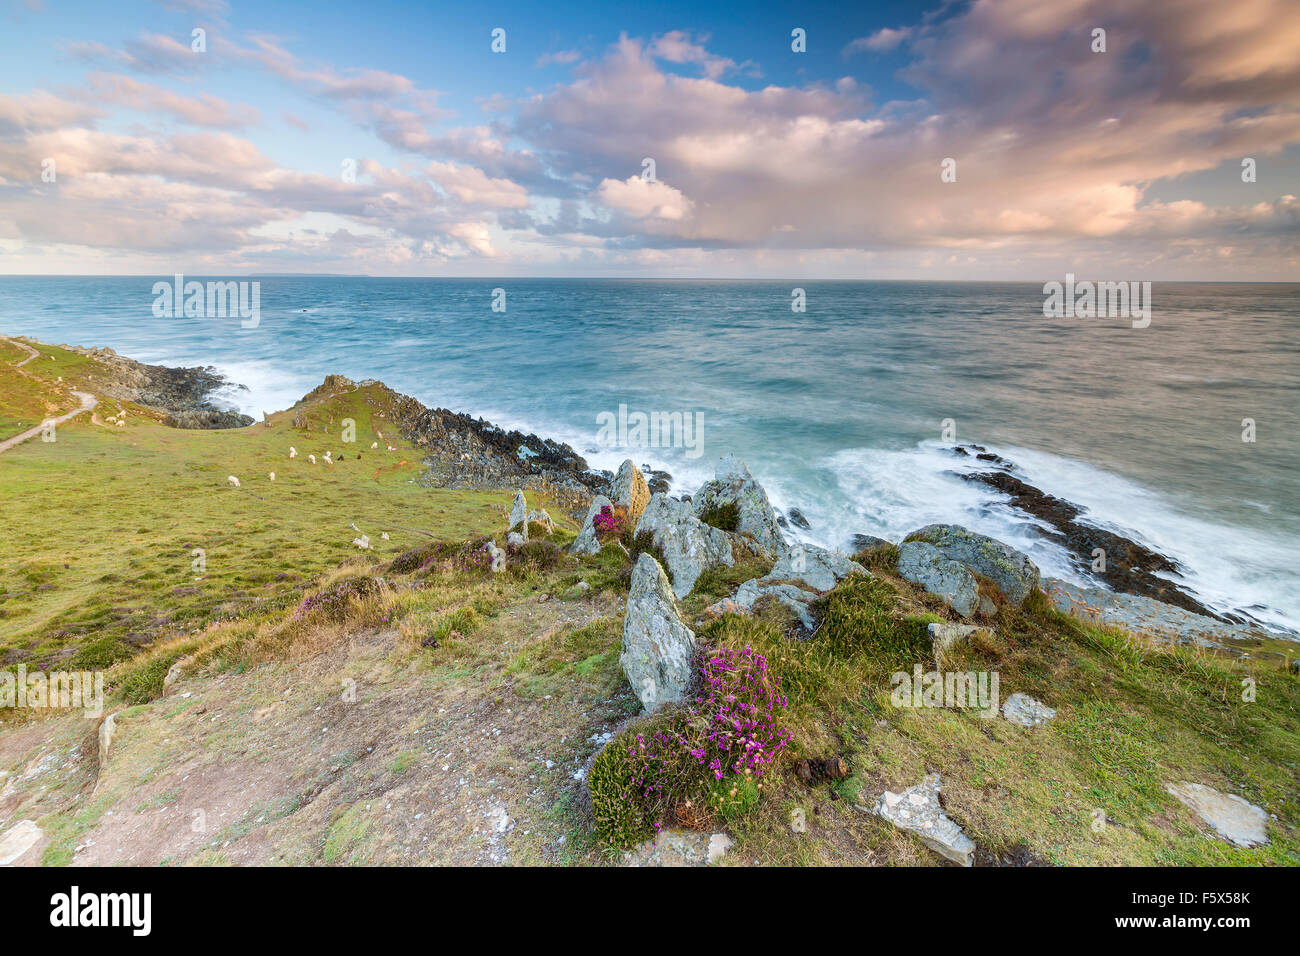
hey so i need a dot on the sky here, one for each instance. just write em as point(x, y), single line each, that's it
point(943, 140)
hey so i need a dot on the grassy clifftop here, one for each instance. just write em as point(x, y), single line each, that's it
point(334, 705)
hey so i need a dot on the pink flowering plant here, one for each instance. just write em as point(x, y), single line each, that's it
point(729, 731)
point(609, 523)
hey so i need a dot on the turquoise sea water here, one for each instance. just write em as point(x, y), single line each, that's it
point(838, 411)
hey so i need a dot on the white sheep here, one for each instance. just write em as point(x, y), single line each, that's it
point(293, 452)
point(374, 445)
point(272, 476)
point(328, 460)
point(120, 423)
point(312, 459)
point(233, 480)
point(391, 448)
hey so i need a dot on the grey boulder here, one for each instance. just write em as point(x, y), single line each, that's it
point(1014, 574)
point(689, 546)
point(925, 565)
point(733, 484)
point(657, 644)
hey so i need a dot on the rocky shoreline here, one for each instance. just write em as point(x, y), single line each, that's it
point(460, 451)
point(183, 396)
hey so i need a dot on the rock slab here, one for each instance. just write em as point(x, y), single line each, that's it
point(657, 644)
point(917, 810)
point(1239, 822)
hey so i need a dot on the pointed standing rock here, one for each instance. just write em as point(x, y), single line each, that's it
point(519, 515)
point(587, 542)
point(657, 644)
point(630, 490)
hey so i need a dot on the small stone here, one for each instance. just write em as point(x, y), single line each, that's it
point(1235, 820)
point(1026, 711)
point(719, 844)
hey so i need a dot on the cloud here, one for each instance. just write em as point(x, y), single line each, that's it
point(644, 199)
point(882, 41)
point(205, 110)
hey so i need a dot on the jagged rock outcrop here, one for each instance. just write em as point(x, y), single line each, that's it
point(184, 395)
point(923, 564)
point(1129, 566)
point(657, 644)
point(586, 542)
point(630, 490)
point(689, 546)
point(1012, 572)
point(733, 484)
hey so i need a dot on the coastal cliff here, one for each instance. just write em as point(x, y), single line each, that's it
point(345, 635)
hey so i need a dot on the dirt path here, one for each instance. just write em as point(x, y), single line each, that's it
point(31, 352)
point(88, 402)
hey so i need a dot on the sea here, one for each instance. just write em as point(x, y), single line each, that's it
point(1183, 435)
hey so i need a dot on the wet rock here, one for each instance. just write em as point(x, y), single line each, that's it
point(1129, 566)
point(630, 490)
point(1014, 574)
point(923, 564)
point(798, 520)
point(1233, 819)
point(689, 546)
point(1026, 711)
point(733, 484)
point(917, 810)
point(657, 644)
point(587, 542)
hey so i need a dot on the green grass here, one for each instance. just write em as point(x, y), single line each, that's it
point(115, 537)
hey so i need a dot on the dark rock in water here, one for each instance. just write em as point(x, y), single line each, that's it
point(659, 481)
point(780, 520)
point(1130, 567)
point(861, 542)
point(961, 451)
point(798, 520)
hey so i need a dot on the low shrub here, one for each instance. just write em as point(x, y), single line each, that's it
point(710, 753)
point(724, 516)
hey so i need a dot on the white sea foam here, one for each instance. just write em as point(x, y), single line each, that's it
point(889, 493)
